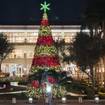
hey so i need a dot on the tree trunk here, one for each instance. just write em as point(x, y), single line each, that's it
point(97, 72)
point(1, 60)
point(104, 69)
point(92, 72)
point(0, 67)
point(103, 28)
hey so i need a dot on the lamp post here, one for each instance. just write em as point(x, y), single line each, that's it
point(30, 100)
point(13, 100)
point(96, 99)
point(49, 93)
point(80, 99)
point(48, 89)
point(64, 100)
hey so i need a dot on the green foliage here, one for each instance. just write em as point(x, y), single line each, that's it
point(94, 43)
point(61, 47)
point(5, 46)
point(87, 48)
point(61, 76)
point(57, 92)
point(101, 92)
point(101, 89)
point(20, 80)
point(35, 69)
point(44, 31)
point(34, 93)
point(58, 88)
point(79, 87)
point(95, 12)
point(48, 50)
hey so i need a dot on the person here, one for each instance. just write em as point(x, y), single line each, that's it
point(46, 100)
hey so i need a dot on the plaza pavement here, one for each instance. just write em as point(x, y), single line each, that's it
point(58, 102)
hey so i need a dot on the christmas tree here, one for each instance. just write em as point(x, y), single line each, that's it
point(45, 52)
point(45, 64)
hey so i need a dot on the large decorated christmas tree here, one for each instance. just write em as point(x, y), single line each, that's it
point(45, 52)
point(45, 69)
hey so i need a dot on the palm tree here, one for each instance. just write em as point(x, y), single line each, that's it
point(5, 48)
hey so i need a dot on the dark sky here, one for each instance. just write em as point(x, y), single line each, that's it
point(28, 11)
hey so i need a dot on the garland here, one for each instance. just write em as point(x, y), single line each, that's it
point(37, 68)
point(47, 50)
point(38, 90)
point(44, 31)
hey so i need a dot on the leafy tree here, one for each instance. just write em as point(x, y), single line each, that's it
point(62, 49)
point(60, 46)
point(5, 48)
point(86, 50)
point(94, 16)
point(94, 20)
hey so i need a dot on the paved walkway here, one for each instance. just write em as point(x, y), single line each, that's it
point(69, 102)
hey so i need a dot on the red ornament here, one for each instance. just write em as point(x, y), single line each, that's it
point(35, 83)
point(45, 40)
point(49, 61)
point(44, 22)
point(52, 80)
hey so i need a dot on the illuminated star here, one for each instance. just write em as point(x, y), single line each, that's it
point(45, 6)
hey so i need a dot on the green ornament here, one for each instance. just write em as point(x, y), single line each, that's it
point(45, 6)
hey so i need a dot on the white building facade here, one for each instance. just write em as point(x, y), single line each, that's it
point(24, 38)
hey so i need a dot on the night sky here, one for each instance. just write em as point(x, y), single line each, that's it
point(28, 11)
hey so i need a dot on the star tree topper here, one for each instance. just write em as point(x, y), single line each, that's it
point(45, 6)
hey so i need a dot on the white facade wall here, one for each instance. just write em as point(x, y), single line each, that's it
point(24, 39)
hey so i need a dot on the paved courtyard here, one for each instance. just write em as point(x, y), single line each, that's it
point(69, 102)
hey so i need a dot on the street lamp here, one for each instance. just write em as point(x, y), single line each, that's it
point(13, 100)
point(30, 100)
point(48, 88)
point(63, 99)
point(96, 99)
point(49, 94)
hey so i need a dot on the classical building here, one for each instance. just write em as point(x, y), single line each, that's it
point(24, 37)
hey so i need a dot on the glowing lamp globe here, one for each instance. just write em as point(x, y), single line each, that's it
point(30, 100)
point(63, 99)
point(96, 99)
point(48, 89)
